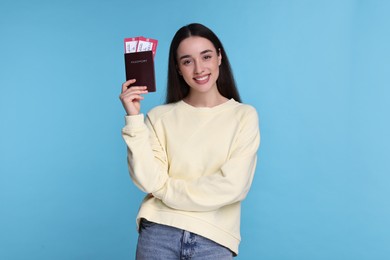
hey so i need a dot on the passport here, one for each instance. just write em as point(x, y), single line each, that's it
point(140, 66)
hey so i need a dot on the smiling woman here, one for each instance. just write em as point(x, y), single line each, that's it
point(195, 156)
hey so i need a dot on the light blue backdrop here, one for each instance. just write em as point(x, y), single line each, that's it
point(317, 71)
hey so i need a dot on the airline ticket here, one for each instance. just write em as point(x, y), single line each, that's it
point(140, 44)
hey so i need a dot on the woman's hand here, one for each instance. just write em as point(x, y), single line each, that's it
point(131, 97)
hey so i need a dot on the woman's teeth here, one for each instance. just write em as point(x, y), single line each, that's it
point(202, 78)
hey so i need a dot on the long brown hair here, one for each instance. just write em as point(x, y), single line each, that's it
point(177, 88)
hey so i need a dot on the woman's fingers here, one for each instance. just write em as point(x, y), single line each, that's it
point(133, 91)
point(127, 84)
point(131, 97)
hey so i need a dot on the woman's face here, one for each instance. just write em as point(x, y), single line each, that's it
point(198, 63)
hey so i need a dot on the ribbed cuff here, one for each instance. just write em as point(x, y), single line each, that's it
point(134, 122)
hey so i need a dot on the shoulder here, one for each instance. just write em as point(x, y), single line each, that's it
point(246, 118)
point(245, 111)
point(160, 111)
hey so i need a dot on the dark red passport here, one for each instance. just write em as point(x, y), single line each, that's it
point(140, 66)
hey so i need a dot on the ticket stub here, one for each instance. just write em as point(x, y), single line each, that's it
point(147, 44)
point(131, 44)
point(140, 44)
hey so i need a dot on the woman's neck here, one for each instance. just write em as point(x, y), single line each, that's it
point(205, 99)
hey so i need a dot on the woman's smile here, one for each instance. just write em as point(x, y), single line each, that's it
point(202, 79)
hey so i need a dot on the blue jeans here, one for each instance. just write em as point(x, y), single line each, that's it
point(157, 241)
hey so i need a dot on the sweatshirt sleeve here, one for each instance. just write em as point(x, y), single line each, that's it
point(143, 146)
point(228, 185)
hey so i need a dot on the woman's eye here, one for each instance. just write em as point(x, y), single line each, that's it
point(207, 57)
point(186, 62)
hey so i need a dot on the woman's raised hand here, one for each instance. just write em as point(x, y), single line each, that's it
point(131, 97)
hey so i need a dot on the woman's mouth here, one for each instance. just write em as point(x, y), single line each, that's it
point(203, 79)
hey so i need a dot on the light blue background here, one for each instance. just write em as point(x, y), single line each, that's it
point(317, 72)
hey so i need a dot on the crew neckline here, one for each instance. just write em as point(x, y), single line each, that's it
point(206, 109)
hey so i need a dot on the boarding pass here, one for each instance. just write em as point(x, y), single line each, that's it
point(140, 44)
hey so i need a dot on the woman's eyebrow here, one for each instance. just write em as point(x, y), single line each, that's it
point(184, 57)
point(206, 51)
point(189, 56)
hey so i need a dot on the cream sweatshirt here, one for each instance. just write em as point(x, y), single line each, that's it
point(196, 164)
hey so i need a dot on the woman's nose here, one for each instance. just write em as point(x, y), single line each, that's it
point(198, 67)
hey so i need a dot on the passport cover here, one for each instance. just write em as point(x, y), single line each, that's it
point(140, 66)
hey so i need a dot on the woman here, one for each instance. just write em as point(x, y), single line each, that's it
point(195, 156)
